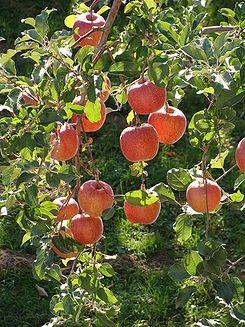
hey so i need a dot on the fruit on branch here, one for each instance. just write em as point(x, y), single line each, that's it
point(29, 99)
point(240, 155)
point(83, 123)
point(95, 196)
point(139, 143)
point(67, 254)
point(144, 97)
point(86, 229)
point(104, 95)
point(197, 193)
point(67, 210)
point(170, 124)
point(83, 24)
point(142, 214)
point(65, 142)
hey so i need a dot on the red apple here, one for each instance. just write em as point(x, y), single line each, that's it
point(67, 211)
point(142, 214)
point(139, 143)
point(196, 195)
point(83, 123)
point(144, 97)
point(65, 142)
point(83, 24)
point(86, 229)
point(170, 124)
point(240, 155)
point(94, 197)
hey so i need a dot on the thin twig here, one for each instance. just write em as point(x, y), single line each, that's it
point(93, 29)
point(225, 173)
point(106, 30)
point(212, 29)
point(204, 173)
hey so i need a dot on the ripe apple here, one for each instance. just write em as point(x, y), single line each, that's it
point(94, 197)
point(83, 123)
point(86, 229)
point(170, 124)
point(240, 155)
point(142, 214)
point(144, 97)
point(196, 195)
point(139, 143)
point(60, 253)
point(65, 142)
point(104, 95)
point(67, 211)
point(29, 99)
point(83, 24)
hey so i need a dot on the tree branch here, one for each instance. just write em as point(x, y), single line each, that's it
point(106, 30)
point(213, 29)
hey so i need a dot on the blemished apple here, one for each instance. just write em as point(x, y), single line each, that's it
point(139, 143)
point(170, 124)
point(83, 124)
point(240, 155)
point(196, 195)
point(145, 215)
point(29, 99)
point(144, 97)
point(86, 229)
point(67, 210)
point(65, 142)
point(83, 24)
point(95, 196)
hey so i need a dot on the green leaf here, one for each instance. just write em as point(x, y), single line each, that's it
point(69, 20)
point(239, 181)
point(52, 179)
point(29, 21)
point(108, 213)
point(230, 289)
point(184, 295)
point(237, 197)
point(149, 4)
point(207, 90)
point(24, 178)
point(55, 272)
point(93, 111)
point(140, 198)
point(31, 193)
point(183, 227)
point(165, 193)
point(7, 56)
point(191, 261)
point(78, 109)
point(122, 97)
point(130, 69)
point(130, 117)
point(219, 160)
point(179, 179)
point(177, 272)
point(106, 295)
point(227, 12)
point(159, 72)
point(67, 173)
point(26, 238)
point(107, 270)
point(194, 51)
point(103, 9)
point(238, 311)
point(42, 26)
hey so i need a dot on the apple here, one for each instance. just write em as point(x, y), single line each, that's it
point(142, 214)
point(196, 195)
point(170, 124)
point(83, 24)
point(29, 99)
point(95, 196)
point(83, 123)
point(60, 253)
point(86, 229)
point(144, 97)
point(240, 155)
point(67, 211)
point(65, 142)
point(139, 143)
